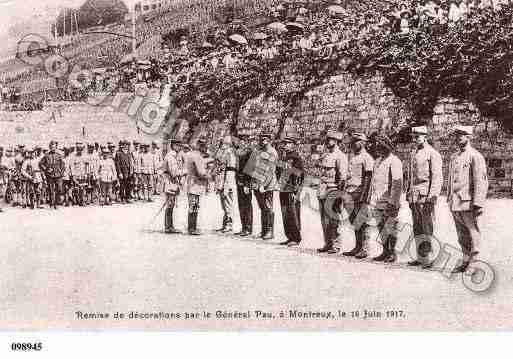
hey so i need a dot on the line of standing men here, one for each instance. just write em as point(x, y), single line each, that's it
point(365, 187)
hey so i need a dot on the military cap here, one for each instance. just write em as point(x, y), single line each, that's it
point(358, 136)
point(104, 150)
point(110, 144)
point(419, 130)
point(335, 135)
point(173, 140)
point(464, 130)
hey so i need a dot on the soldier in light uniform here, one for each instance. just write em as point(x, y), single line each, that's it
point(361, 165)
point(264, 176)
point(147, 168)
point(197, 181)
point(17, 178)
point(290, 182)
point(106, 175)
point(93, 184)
point(78, 174)
point(384, 198)
point(172, 170)
point(467, 191)
point(53, 166)
point(227, 184)
point(157, 161)
point(334, 168)
point(424, 185)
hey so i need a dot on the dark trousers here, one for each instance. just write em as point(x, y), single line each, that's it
point(54, 188)
point(265, 203)
point(422, 215)
point(330, 220)
point(124, 188)
point(291, 216)
point(245, 209)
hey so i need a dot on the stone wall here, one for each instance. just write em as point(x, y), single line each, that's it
point(365, 104)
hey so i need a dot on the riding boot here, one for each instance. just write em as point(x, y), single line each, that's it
point(263, 222)
point(392, 257)
point(384, 255)
point(269, 230)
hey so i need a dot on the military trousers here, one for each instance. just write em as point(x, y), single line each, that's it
point(245, 208)
point(226, 197)
point(291, 215)
point(330, 220)
point(469, 233)
point(265, 203)
point(54, 189)
point(423, 215)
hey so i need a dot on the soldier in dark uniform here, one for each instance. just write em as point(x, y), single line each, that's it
point(52, 166)
point(244, 193)
point(125, 171)
point(290, 181)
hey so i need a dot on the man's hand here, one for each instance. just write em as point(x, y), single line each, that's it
point(261, 189)
point(246, 190)
point(478, 211)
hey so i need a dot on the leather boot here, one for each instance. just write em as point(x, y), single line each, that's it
point(193, 217)
point(384, 255)
point(392, 257)
point(269, 233)
point(263, 220)
point(221, 230)
point(170, 228)
point(228, 228)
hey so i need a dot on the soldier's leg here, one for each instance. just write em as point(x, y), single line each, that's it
point(269, 213)
point(473, 239)
point(194, 206)
point(322, 213)
point(263, 219)
point(228, 205)
point(222, 201)
point(284, 205)
point(295, 215)
point(242, 212)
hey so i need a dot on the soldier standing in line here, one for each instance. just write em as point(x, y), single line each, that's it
point(17, 178)
point(125, 171)
point(334, 166)
point(93, 185)
point(361, 165)
point(136, 178)
point(147, 169)
point(291, 177)
point(157, 161)
point(172, 170)
point(227, 184)
point(197, 181)
point(265, 183)
point(384, 198)
point(78, 174)
point(107, 175)
point(53, 166)
point(244, 190)
point(468, 188)
point(424, 187)
point(27, 173)
point(67, 186)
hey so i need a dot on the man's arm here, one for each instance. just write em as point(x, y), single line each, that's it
point(436, 175)
point(479, 180)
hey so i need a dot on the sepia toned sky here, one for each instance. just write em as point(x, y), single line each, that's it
point(19, 17)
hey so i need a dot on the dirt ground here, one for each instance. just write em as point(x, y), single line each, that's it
point(104, 260)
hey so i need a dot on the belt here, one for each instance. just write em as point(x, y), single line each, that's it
point(232, 169)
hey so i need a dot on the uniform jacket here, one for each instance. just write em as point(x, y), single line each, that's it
point(424, 179)
point(228, 161)
point(107, 170)
point(264, 168)
point(124, 164)
point(244, 168)
point(291, 173)
point(92, 164)
point(358, 164)
point(468, 180)
point(386, 183)
point(172, 170)
point(196, 167)
point(147, 163)
point(52, 165)
point(77, 166)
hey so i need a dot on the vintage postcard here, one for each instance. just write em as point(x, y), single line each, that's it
point(186, 165)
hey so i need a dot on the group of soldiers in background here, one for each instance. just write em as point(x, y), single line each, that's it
point(79, 175)
point(363, 188)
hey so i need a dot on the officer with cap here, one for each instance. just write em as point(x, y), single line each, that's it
point(52, 165)
point(172, 171)
point(197, 182)
point(384, 197)
point(125, 171)
point(107, 175)
point(334, 168)
point(424, 184)
point(291, 177)
point(361, 165)
point(147, 167)
point(467, 191)
point(136, 178)
point(264, 175)
point(157, 161)
point(227, 184)
point(244, 186)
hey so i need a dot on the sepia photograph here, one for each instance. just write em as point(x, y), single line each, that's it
point(256, 165)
